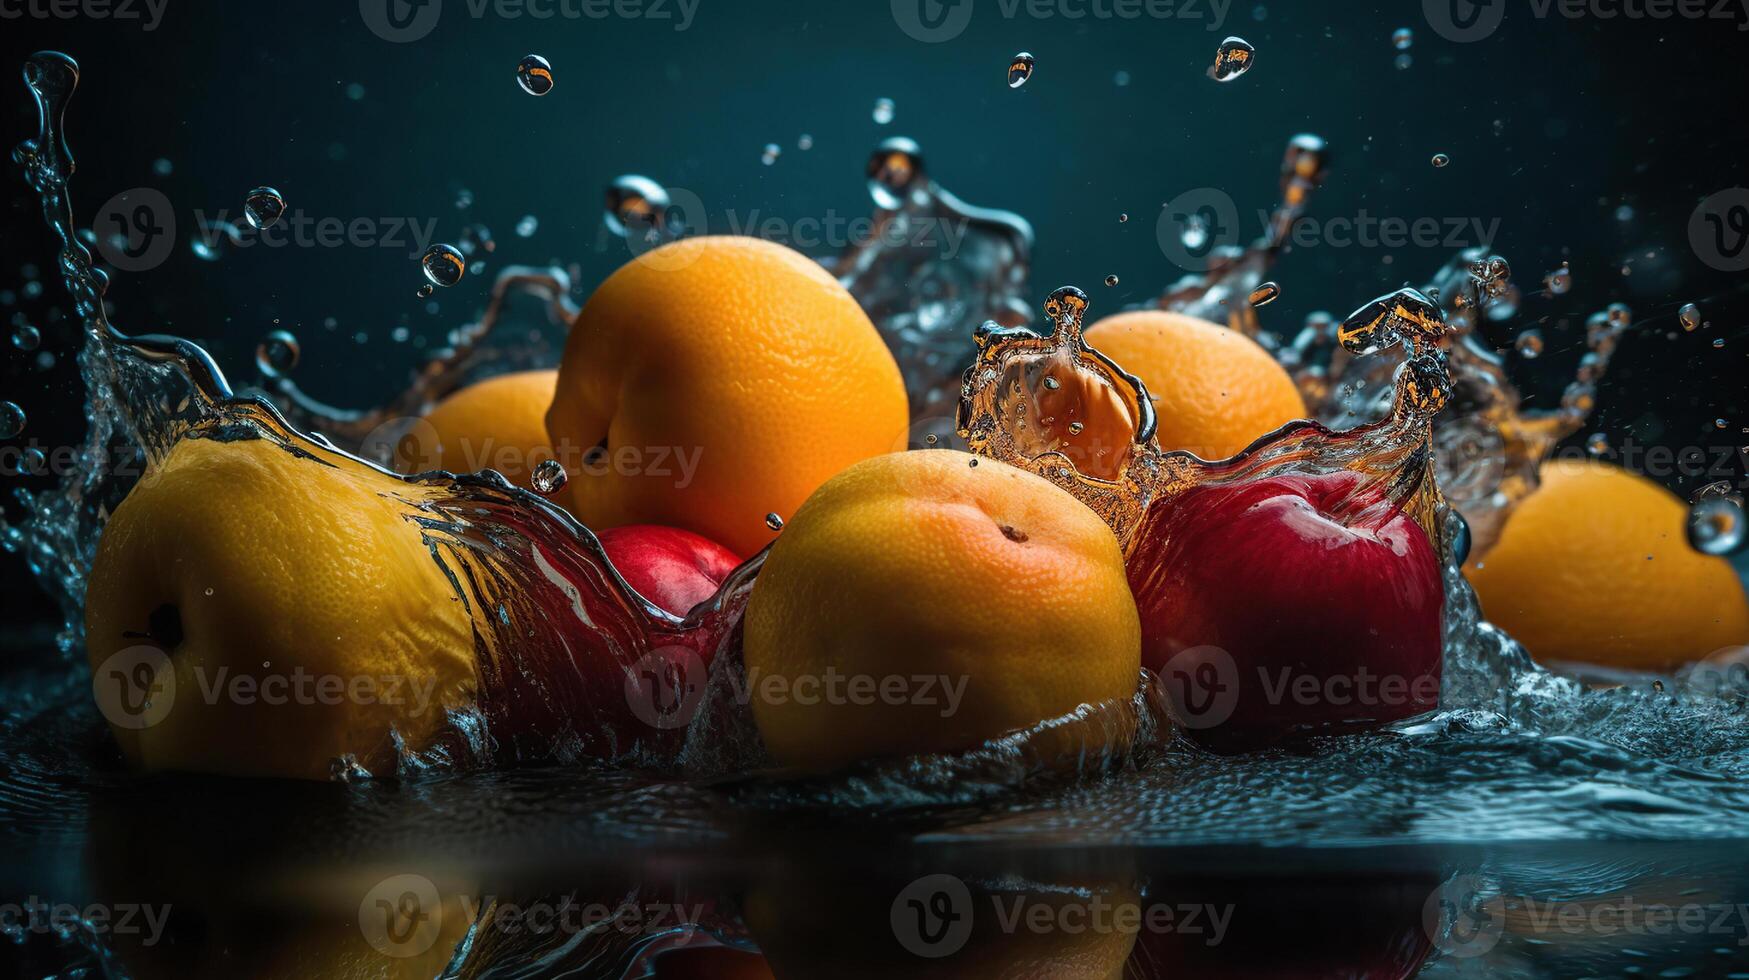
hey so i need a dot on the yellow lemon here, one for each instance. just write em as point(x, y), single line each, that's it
point(496, 424)
point(255, 612)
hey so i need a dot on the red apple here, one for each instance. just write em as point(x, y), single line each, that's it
point(672, 568)
point(1288, 606)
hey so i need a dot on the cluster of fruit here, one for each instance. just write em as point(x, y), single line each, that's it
point(924, 600)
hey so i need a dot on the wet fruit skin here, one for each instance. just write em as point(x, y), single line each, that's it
point(1265, 617)
point(744, 357)
point(1215, 390)
point(498, 424)
point(243, 561)
point(1595, 567)
point(935, 564)
point(672, 568)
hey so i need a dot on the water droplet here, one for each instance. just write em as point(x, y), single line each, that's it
point(277, 353)
point(527, 226)
point(1441, 160)
point(12, 420)
point(894, 168)
point(423, 291)
point(1559, 282)
point(163, 167)
point(1384, 322)
point(263, 207)
point(33, 461)
point(804, 142)
point(535, 75)
point(1715, 526)
point(1020, 69)
point(1719, 343)
point(464, 199)
point(1402, 39)
point(973, 462)
point(637, 208)
point(1120, 78)
point(1111, 280)
point(1690, 317)
point(1075, 428)
point(1233, 58)
point(1530, 344)
point(549, 477)
point(774, 522)
point(477, 238)
point(769, 155)
point(1597, 444)
point(883, 111)
point(444, 265)
point(1265, 294)
point(1051, 383)
point(26, 337)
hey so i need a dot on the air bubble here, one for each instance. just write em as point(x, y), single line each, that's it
point(277, 353)
point(26, 337)
point(1265, 294)
point(1020, 69)
point(549, 477)
point(1233, 58)
point(1530, 344)
point(1111, 280)
point(12, 420)
point(883, 111)
point(444, 265)
point(535, 75)
point(1441, 160)
point(263, 207)
point(1715, 526)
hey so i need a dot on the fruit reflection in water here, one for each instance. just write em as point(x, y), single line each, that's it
point(444, 265)
point(1233, 58)
point(535, 74)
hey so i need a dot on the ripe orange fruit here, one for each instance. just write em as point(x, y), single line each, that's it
point(496, 424)
point(723, 379)
point(920, 564)
point(1215, 390)
point(1595, 567)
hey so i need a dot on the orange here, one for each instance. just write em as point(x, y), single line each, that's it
point(1595, 567)
point(1215, 390)
point(495, 424)
point(723, 379)
point(998, 585)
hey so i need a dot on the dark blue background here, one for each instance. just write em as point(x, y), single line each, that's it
point(1551, 124)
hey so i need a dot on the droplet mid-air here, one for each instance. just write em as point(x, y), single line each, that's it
point(774, 522)
point(637, 208)
point(1559, 282)
point(26, 337)
point(535, 75)
point(1715, 526)
point(1690, 317)
point(1402, 39)
point(11, 420)
point(1265, 294)
point(277, 353)
point(1020, 69)
point(883, 111)
point(1529, 344)
point(769, 155)
point(444, 265)
point(1441, 160)
point(263, 207)
point(549, 477)
point(1233, 58)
